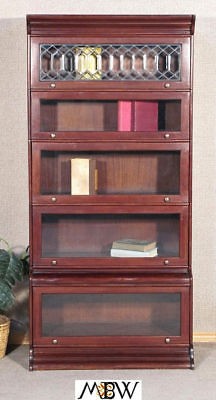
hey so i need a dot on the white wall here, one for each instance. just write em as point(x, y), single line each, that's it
point(13, 127)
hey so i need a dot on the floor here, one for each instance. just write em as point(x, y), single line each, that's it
point(16, 382)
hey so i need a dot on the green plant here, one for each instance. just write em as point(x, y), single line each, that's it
point(12, 269)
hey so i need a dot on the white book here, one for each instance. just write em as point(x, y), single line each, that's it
point(131, 253)
point(83, 176)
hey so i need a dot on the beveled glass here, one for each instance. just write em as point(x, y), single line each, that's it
point(68, 62)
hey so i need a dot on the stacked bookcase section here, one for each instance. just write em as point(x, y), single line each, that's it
point(110, 130)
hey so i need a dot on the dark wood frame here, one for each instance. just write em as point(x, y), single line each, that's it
point(110, 340)
point(146, 85)
point(149, 199)
point(104, 262)
point(124, 352)
point(184, 97)
point(80, 275)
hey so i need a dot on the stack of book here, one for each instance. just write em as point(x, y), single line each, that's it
point(133, 248)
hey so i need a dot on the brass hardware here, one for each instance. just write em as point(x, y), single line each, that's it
point(52, 85)
point(55, 341)
point(167, 340)
point(167, 135)
point(53, 199)
point(52, 135)
point(167, 85)
point(53, 262)
point(166, 262)
point(166, 199)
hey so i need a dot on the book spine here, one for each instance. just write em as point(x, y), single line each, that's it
point(65, 178)
point(124, 116)
point(93, 177)
point(146, 116)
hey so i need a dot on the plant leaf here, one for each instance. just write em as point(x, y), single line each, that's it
point(11, 268)
point(25, 261)
point(6, 297)
point(16, 267)
point(4, 261)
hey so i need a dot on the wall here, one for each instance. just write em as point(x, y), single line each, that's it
point(13, 128)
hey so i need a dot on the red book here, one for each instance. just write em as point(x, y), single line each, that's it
point(124, 115)
point(146, 116)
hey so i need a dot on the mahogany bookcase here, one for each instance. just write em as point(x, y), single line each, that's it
point(110, 133)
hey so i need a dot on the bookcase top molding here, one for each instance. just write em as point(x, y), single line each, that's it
point(110, 25)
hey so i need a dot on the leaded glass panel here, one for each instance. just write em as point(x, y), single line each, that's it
point(68, 62)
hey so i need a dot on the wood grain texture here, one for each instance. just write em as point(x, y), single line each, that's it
point(113, 24)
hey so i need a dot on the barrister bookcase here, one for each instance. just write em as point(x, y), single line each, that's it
point(110, 136)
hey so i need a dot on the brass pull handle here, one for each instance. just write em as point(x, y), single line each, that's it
point(167, 340)
point(167, 85)
point(166, 262)
point(52, 135)
point(53, 262)
point(53, 199)
point(54, 341)
point(52, 85)
point(167, 136)
point(166, 199)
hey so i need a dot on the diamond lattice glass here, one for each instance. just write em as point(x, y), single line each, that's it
point(68, 62)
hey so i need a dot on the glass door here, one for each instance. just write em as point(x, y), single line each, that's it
point(151, 62)
point(110, 115)
point(94, 235)
point(147, 173)
point(69, 62)
point(107, 315)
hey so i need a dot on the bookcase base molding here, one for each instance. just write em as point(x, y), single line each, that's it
point(174, 357)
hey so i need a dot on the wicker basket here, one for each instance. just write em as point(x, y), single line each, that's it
point(4, 332)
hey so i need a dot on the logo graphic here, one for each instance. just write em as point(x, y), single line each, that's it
point(108, 389)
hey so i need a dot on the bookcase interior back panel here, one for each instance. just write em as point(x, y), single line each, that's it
point(108, 314)
point(88, 115)
point(146, 172)
point(92, 235)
